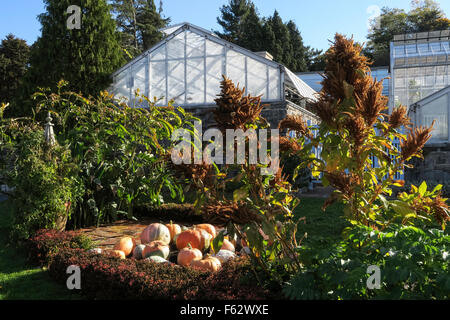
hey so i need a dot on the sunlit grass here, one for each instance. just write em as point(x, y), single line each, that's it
point(18, 279)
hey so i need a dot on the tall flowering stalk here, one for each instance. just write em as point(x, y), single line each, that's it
point(259, 209)
point(354, 129)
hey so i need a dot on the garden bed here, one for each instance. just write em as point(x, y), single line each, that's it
point(106, 277)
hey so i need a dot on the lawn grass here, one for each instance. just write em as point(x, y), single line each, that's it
point(18, 279)
point(323, 228)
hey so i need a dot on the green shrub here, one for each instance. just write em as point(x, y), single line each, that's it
point(414, 264)
point(109, 158)
point(43, 179)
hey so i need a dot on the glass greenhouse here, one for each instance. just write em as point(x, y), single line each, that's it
point(420, 66)
point(434, 107)
point(187, 67)
point(314, 78)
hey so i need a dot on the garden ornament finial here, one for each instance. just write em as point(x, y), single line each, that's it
point(48, 133)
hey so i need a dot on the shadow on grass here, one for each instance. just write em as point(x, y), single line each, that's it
point(18, 279)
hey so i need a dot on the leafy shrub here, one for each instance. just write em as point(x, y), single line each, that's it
point(432, 184)
point(414, 264)
point(226, 285)
point(104, 277)
point(121, 151)
point(43, 178)
point(109, 158)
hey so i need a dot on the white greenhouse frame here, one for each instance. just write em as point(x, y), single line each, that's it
point(187, 67)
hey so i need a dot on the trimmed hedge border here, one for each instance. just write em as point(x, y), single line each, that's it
point(106, 277)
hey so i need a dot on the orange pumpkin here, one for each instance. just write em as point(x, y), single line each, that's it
point(117, 253)
point(155, 231)
point(208, 228)
point(186, 255)
point(156, 248)
point(227, 245)
point(192, 237)
point(208, 264)
point(126, 244)
point(174, 229)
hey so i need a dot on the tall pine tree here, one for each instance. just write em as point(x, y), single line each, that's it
point(150, 21)
point(139, 22)
point(241, 25)
point(84, 57)
point(299, 61)
point(14, 57)
point(125, 12)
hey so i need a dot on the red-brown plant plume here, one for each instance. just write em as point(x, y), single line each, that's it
point(234, 110)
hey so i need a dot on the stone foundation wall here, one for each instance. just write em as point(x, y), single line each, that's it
point(435, 166)
point(273, 113)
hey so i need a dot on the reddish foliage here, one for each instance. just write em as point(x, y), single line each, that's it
point(105, 277)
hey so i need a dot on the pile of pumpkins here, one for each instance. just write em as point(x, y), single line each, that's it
point(188, 244)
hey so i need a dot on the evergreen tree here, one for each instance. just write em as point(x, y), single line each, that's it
point(316, 60)
point(299, 50)
point(241, 25)
point(126, 17)
point(14, 57)
point(150, 21)
point(84, 57)
point(139, 22)
point(279, 40)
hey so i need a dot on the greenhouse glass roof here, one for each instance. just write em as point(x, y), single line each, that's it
point(187, 67)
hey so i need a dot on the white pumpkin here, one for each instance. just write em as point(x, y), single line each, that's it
point(157, 259)
point(225, 255)
point(137, 252)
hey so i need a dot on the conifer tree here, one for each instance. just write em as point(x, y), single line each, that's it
point(139, 22)
point(241, 25)
point(14, 56)
point(150, 21)
point(84, 57)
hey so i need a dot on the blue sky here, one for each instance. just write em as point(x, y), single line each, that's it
point(317, 20)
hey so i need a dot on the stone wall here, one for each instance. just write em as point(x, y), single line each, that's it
point(435, 166)
point(273, 112)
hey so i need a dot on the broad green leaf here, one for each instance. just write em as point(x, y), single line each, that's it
point(216, 244)
point(423, 188)
point(402, 208)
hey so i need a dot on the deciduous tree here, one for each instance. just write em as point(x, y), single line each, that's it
point(425, 15)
